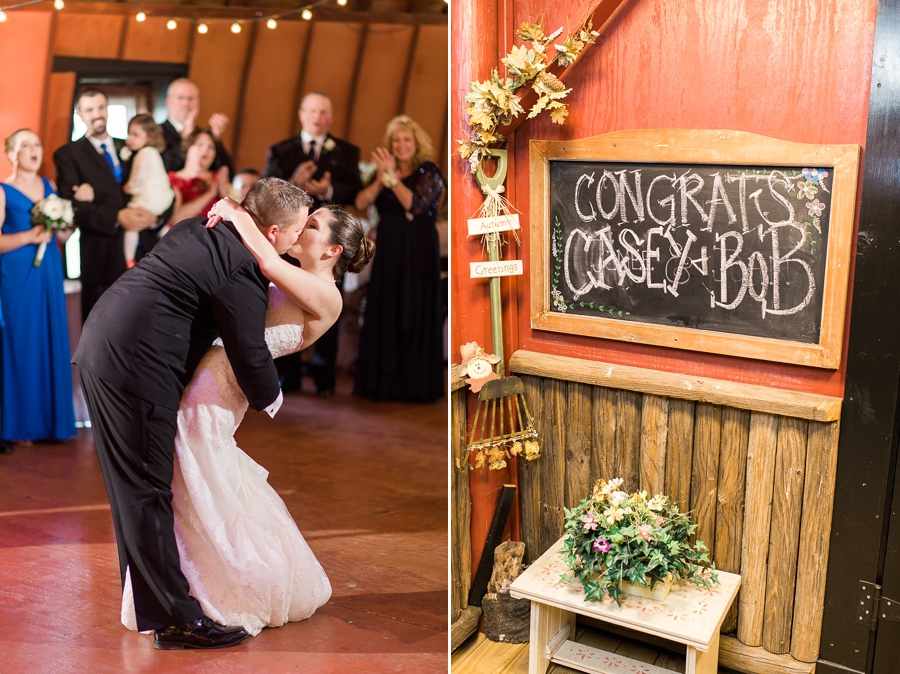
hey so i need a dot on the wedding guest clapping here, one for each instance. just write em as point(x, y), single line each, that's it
point(197, 187)
point(36, 399)
point(401, 344)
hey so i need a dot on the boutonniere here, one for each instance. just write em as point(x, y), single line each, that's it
point(125, 153)
point(328, 145)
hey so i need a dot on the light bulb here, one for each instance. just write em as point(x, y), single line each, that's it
point(140, 16)
point(202, 28)
point(59, 4)
point(3, 16)
point(172, 24)
point(306, 14)
point(342, 3)
point(272, 23)
point(235, 27)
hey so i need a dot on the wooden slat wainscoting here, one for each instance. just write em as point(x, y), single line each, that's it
point(463, 618)
point(755, 465)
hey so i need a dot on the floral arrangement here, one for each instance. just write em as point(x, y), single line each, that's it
point(615, 537)
point(494, 101)
point(56, 215)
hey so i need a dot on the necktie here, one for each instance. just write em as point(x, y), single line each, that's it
point(311, 155)
point(117, 170)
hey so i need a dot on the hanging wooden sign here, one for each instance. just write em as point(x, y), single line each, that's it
point(487, 269)
point(499, 223)
point(714, 241)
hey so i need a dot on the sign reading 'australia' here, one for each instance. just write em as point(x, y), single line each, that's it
point(734, 249)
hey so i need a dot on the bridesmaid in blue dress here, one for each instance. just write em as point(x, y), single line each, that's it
point(36, 396)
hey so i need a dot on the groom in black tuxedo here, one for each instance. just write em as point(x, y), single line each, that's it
point(90, 172)
point(138, 350)
point(328, 169)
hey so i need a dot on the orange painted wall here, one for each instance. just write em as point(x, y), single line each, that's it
point(782, 68)
point(24, 40)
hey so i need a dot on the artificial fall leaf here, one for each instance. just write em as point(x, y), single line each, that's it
point(538, 106)
point(532, 450)
point(558, 116)
point(479, 460)
point(516, 449)
point(478, 117)
point(486, 137)
point(531, 32)
point(464, 149)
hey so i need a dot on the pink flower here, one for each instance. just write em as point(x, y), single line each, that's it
point(602, 545)
point(589, 523)
point(645, 531)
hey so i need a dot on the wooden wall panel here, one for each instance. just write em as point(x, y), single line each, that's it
point(270, 98)
point(24, 34)
point(654, 434)
point(426, 89)
point(578, 443)
point(679, 452)
point(628, 438)
point(217, 66)
point(705, 470)
point(88, 35)
point(57, 122)
point(380, 84)
point(461, 547)
point(553, 457)
point(331, 69)
point(603, 445)
point(530, 476)
point(150, 40)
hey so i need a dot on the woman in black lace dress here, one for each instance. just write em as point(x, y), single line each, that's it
point(401, 345)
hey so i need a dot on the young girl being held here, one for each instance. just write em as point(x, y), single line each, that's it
point(149, 184)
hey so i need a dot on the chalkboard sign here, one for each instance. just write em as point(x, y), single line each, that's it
point(716, 253)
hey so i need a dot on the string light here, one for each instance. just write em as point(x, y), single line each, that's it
point(235, 27)
point(172, 24)
point(140, 17)
point(272, 23)
point(202, 28)
point(59, 4)
point(306, 14)
point(3, 16)
point(343, 3)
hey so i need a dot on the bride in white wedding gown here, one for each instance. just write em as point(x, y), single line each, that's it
point(241, 552)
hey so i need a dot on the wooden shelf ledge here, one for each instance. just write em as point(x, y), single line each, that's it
point(718, 392)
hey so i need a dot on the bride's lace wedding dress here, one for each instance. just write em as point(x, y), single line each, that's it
point(245, 559)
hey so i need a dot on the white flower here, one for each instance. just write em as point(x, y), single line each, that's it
point(68, 212)
point(53, 207)
point(617, 498)
point(125, 153)
point(328, 145)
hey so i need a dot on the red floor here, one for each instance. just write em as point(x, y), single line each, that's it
point(367, 486)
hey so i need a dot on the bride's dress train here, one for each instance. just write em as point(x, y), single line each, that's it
point(245, 559)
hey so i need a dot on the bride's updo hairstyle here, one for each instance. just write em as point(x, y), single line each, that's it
point(273, 201)
point(346, 231)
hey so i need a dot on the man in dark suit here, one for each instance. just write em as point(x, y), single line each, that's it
point(138, 350)
point(328, 169)
point(183, 106)
point(90, 172)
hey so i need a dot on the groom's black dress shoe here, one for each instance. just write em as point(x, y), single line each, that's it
point(201, 633)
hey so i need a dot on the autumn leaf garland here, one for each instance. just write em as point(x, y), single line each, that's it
point(494, 102)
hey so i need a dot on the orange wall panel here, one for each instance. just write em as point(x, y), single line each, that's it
point(88, 35)
point(217, 66)
point(57, 117)
point(789, 70)
point(150, 40)
point(270, 99)
point(21, 77)
point(426, 89)
point(331, 70)
point(380, 84)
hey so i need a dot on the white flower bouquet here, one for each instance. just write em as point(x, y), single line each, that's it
point(56, 215)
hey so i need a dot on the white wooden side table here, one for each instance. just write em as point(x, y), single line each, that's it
point(689, 615)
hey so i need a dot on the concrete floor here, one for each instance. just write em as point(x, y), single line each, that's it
point(367, 485)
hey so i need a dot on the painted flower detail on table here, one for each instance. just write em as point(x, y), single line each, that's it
point(815, 207)
point(806, 189)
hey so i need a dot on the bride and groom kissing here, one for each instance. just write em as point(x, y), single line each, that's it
point(170, 358)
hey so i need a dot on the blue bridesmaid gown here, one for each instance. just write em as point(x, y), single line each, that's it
point(36, 401)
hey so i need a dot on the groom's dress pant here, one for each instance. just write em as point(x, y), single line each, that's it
point(135, 442)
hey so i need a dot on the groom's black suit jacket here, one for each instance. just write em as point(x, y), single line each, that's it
point(147, 333)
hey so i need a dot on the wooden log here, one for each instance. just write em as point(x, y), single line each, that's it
point(730, 499)
point(705, 470)
point(761, 445)
point(530, 476)
point(680, 452)
point(603, 449)
point(461, 543)
point(553, 457)
point(628, 438)
point(716, 391)
point(784, 539)
point(464, 626)
point(578, 443)
point(815, 537)
point(654, 431)
point(756, 660)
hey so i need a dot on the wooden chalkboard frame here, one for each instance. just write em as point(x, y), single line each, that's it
point(701, 146)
